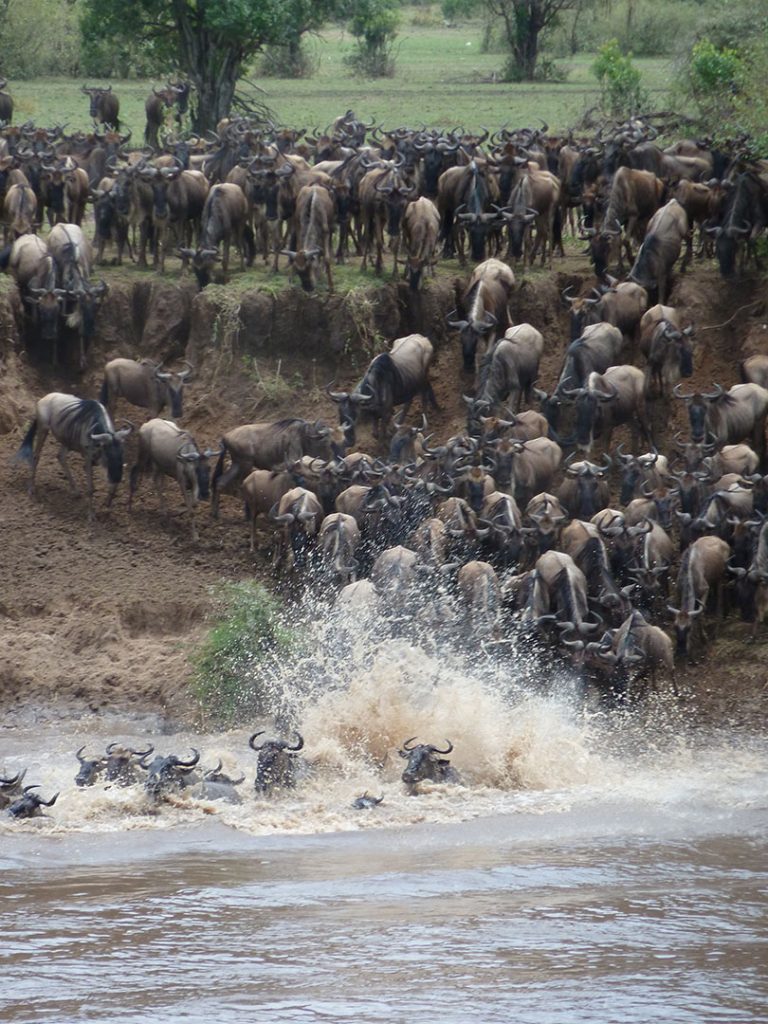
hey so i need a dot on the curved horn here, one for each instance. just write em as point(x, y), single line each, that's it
point(251, 743)
point(437, 750)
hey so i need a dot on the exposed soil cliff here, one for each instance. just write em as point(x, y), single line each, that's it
point(104, 616)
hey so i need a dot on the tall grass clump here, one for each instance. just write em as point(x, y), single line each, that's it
point(236, 665)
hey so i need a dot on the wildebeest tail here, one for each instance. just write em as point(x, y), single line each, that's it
point(104, 393)
point(5, 256)
point(24, 454)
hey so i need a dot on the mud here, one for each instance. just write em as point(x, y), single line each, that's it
point(105, 616)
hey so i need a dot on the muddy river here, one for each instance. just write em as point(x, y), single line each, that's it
point(592, 865)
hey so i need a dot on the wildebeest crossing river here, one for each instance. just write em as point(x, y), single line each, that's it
point(590, 866)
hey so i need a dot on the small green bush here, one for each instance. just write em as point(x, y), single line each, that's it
point(712, 70)
point(235, 662)
point(622, 93)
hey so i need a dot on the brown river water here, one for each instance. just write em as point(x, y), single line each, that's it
point(592, 865)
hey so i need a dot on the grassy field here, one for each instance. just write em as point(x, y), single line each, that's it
point(441, 79)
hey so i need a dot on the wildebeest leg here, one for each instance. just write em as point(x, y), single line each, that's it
point(62, 457)
point(189, 501)
point(42, 433)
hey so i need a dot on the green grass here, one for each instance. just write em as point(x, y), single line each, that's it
point(442, 79)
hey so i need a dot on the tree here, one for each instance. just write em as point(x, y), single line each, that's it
point(208, 41)
point(301, 17)
point(523, 22)
point(374, 24)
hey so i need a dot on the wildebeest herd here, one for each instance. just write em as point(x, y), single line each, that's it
point(507, 529)
point(161, 777)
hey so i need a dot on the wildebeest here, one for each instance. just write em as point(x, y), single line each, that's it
point(702, 567)
point(299, 514)
point(81, 425)
point(122, 763)
point(598, 348)
point(479, 594)
point(72, 257)
point(634, 197)
point(28, 806)
point(745, 215)
point(534, 466)
point(224, 221)
point(534, 201)
point(143, 384)
point(638, 649)
point(166, 450)
point(393, 378)
point(19, 211)
point(658, 254)
point(425, 766)
point(337, 542)
point(90, 768)
point(510, 370)
point(667, 347)
point(728, 416)
point(168, 774)
point(751, 591)
point(607, 401)
point(419, 231)
point(276, 765)
point(585, 489)
point(104, 106)
point(31, 265)
point(314, 220)
point(157, 103)
point(266, 446)
point(486, 308)
point(366, 802)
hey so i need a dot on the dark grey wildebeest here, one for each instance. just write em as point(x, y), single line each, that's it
point(80, 425)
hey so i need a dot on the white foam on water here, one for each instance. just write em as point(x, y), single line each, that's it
point(522, 743)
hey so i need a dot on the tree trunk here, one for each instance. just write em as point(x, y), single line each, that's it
point(527, 52)
point(214, 67)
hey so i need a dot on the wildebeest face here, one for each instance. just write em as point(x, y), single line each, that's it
point(276, 765)
point(423, 764)
point(167, 774)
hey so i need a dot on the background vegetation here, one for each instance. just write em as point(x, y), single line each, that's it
point(447, 62)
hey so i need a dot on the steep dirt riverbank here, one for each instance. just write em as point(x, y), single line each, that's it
point(104, 616)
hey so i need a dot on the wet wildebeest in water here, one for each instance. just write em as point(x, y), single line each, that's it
point(424, 765)
point(28, 806)
point(276, 765)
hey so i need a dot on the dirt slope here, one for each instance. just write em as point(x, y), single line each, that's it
point(105, 616)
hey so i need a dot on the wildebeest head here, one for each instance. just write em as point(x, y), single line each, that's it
point(108, 449)
point(423, 764)
point(350, 403)
point(28, 806)
point(46, 305)
point(202, 263)
point(122, 763)
point(698, 408)
point(168, 774)
point(89, 769)
point(683, 624)
point(470, 333)
point(276, 764)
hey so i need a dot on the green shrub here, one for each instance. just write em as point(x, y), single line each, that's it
point(712, 70)
point(235, 663)
point(622, 93)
